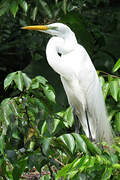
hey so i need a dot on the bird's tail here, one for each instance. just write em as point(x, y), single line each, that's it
point(99, 126)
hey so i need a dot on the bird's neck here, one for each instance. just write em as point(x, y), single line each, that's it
point(59, 45)
point(70, 43)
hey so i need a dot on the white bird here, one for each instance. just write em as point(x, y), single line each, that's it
point(80, 81)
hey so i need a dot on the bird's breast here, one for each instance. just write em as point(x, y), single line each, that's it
point(75, 93)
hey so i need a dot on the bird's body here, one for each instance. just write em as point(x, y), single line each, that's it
point(82, 86)
point(80, 81)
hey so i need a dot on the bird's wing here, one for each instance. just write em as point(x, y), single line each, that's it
point(95, 104)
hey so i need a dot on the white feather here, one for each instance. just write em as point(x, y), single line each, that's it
point(80, 81)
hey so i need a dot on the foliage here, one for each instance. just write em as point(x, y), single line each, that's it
point(35, 134)
point(35, 130)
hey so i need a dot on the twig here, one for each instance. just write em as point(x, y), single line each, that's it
point(108, 74)
point(59, 162)
point(51, 172)
point(48, 165)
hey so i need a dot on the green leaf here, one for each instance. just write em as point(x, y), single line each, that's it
point(107, 173)
point(102, 81)
point(6, 112)
point(114, 89)
point(91, 146)
point(46, 8)
point(14, 7)
point(110, 78)
point(80, 176)
point(116, 148)
point(49, 92)
point(24, 5)
point(8, 80)
point(63, 171)
point(68, 117)
point(19, 168)
point(81, 145)
point(69, 141)
point(27, 81)
point(117, 121)
point(105, 89)
point(65, 6)
point(116, 66)
point(15, 134)
point(2, 144)
point(37, 81)
point(19, 80)
point(116, 166)
point(46, 145)
point(34, 13)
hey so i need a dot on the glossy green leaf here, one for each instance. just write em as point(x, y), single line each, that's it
point(116, 166)
point(116, 66)
point(91, 163)
point(19, 80)
point(65, 6)
point(8, 80)
point(117, 122)
point(15, 134)
point(93, 148)
point(107, 173)
point(27, 81)
point(37, 81)
point(49, 92)
point(81, 145)
point(69, 141)
point(105, 89)
point(6, 111)
point(68, 117)
point(102, 81)
point(59, 144)
point(114, 89)
point(70, 170)
point(14, 7)
point(24, 5)
point(2, 144)
point(79, 162)
point(34, 13)
point(110, 78)
point(63, 171)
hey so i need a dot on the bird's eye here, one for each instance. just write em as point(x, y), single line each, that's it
point(59, 54)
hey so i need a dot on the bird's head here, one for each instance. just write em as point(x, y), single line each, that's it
point(55, 29)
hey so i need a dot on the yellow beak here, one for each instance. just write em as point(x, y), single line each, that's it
point(36, 27)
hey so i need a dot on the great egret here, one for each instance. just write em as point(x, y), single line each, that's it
point(80, 80)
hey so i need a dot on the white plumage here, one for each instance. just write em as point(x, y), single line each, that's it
point(79, 79)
